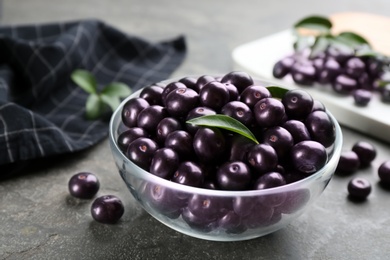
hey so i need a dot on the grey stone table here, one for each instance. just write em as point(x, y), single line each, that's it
point(39, 220)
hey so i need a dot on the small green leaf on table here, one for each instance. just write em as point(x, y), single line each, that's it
point(94, 107)
point(98, 101)
point(85, 80)
point(116, 89)
point(112, 101)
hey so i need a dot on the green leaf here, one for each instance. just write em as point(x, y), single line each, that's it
point(277, 92)
point(94, 107)
point(383, 83)
point(366, 52)
point(317, 23)
point(225, 122)
point(85, 80)
point(112, 101)
point(116, 89)
point(302, 42)
point(351, 39)
point(320, 45)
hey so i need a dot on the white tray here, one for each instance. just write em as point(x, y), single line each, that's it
point(258, 58)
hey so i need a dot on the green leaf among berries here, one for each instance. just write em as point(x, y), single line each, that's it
point(224, 122)
point(277, 92)
point(351, 39)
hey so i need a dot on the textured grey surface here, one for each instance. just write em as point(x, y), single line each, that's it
point(39, 220)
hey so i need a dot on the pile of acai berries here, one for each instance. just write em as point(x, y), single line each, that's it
point(293, 133)
point(340, 69)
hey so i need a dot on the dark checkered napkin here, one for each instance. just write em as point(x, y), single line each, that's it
point(41, 110)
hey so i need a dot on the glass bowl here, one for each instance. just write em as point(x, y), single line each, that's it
point(223, 215)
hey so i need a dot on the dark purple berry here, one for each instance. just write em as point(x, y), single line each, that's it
point(128, 136)
point(214, 95)
point(384, 173)
point(292, 175)
point(169, 88)
point(308, 156)
point(209, 208)
point(239, 79)
point(318, 63)
point(297, 103)
point(107, 209)
point(83, 185)
point(180, 101)
point(365, 82)
point(359, 188)
point(321, 128)
point(280, 139)
point(303, 73)
point(295, 201)
point(239, 147)
point(238, 110)
point(165, 127)
point(362, 97)
point(297, 129)
point(244, 206)
point(189, 173)
point(164, 200)
point(190, 82)
point(152, 94)
point(209, 144)
point(234, 175)
point(354, 67)
point(344, 84)
point(267, 181)
point(339, 52)
point(164, 163)
point(202, 81)
point(365, 151)
point(141, 152)
point(317, 105)
point(149, 118)
point(269, 112)
point(233, 92)
point(197, 112)
point(231, 222)
point(349, 163)
point(263, 158)
point(252, 94)
point(375, 67)
point(131, 110)
point(198, 223)
point(181, 142)
point(329, 71)
point(259, 217)
point(283, 67)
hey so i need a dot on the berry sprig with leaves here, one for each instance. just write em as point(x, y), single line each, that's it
point(315, 33)
point(99, 101)
point(315, 41)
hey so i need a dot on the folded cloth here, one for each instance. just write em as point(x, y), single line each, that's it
point(42, 112)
